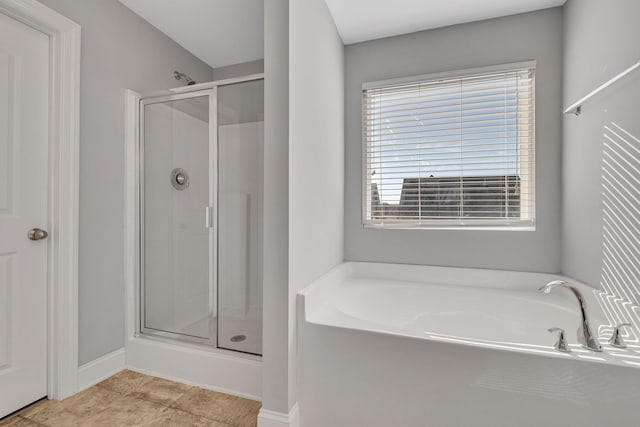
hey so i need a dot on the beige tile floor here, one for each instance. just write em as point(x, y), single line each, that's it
point(132, 399)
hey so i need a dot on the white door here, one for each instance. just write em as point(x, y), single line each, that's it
point(24, 122)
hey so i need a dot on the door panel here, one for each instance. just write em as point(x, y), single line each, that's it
point(24, 88)
point(7, 104)
point(6, 280)
point(177, 277)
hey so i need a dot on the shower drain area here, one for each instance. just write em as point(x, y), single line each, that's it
point(240, 333)
point(234, 333)
point(238, 338)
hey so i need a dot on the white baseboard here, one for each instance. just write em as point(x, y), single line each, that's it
point(100, 369)
point(218, 370)
point(267, 418)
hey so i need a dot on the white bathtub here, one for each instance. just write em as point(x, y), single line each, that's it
point(398, 345)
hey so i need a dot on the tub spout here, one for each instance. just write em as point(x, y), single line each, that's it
point(585, 337)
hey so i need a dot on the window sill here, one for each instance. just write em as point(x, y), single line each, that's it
point(452, 227)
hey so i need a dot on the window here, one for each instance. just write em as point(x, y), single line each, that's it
point(450, 151)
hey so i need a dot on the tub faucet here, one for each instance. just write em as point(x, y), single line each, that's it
point(585, 337)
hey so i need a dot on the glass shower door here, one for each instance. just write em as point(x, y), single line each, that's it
point(240, 117)
point(177, 240)
point(201, 197)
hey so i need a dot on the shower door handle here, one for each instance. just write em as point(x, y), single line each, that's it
point(208, 217)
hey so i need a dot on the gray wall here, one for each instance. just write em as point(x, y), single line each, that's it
point(275, 329)
point(303, 175)
point(238, 70)
point(119, 51)
point(536, 35)
point(600, 40)
point(316, 153)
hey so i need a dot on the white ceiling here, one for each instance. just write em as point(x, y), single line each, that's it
point(360, 20)
point(225, 32)
point(219, 32)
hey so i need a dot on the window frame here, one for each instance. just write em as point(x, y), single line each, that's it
point(498, 224)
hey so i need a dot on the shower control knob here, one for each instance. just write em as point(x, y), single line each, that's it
point(179, 179)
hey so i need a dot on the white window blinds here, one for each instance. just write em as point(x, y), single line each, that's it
point(450, 152)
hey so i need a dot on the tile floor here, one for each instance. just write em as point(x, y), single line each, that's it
point(132, 399)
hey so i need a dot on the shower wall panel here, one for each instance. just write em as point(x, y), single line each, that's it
point(240, 148)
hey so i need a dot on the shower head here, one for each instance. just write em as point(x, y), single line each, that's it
point(178, 75)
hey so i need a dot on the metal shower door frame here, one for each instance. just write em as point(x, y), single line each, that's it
point(162, 98)
point(209, 89)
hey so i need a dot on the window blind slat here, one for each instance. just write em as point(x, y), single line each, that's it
point(414, 121)
point(443, 107)
point(439, 146)
point(444, 152)
point(425, 97)
point(453, 151)
point(470, 81)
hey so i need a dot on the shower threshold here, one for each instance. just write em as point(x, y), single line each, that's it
point(239, 334)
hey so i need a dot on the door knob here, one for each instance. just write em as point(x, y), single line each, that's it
point(37, 234)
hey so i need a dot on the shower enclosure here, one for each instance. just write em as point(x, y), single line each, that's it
point(200, 163)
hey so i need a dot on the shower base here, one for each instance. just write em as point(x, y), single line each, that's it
point(230, 372)
point(232, 327)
